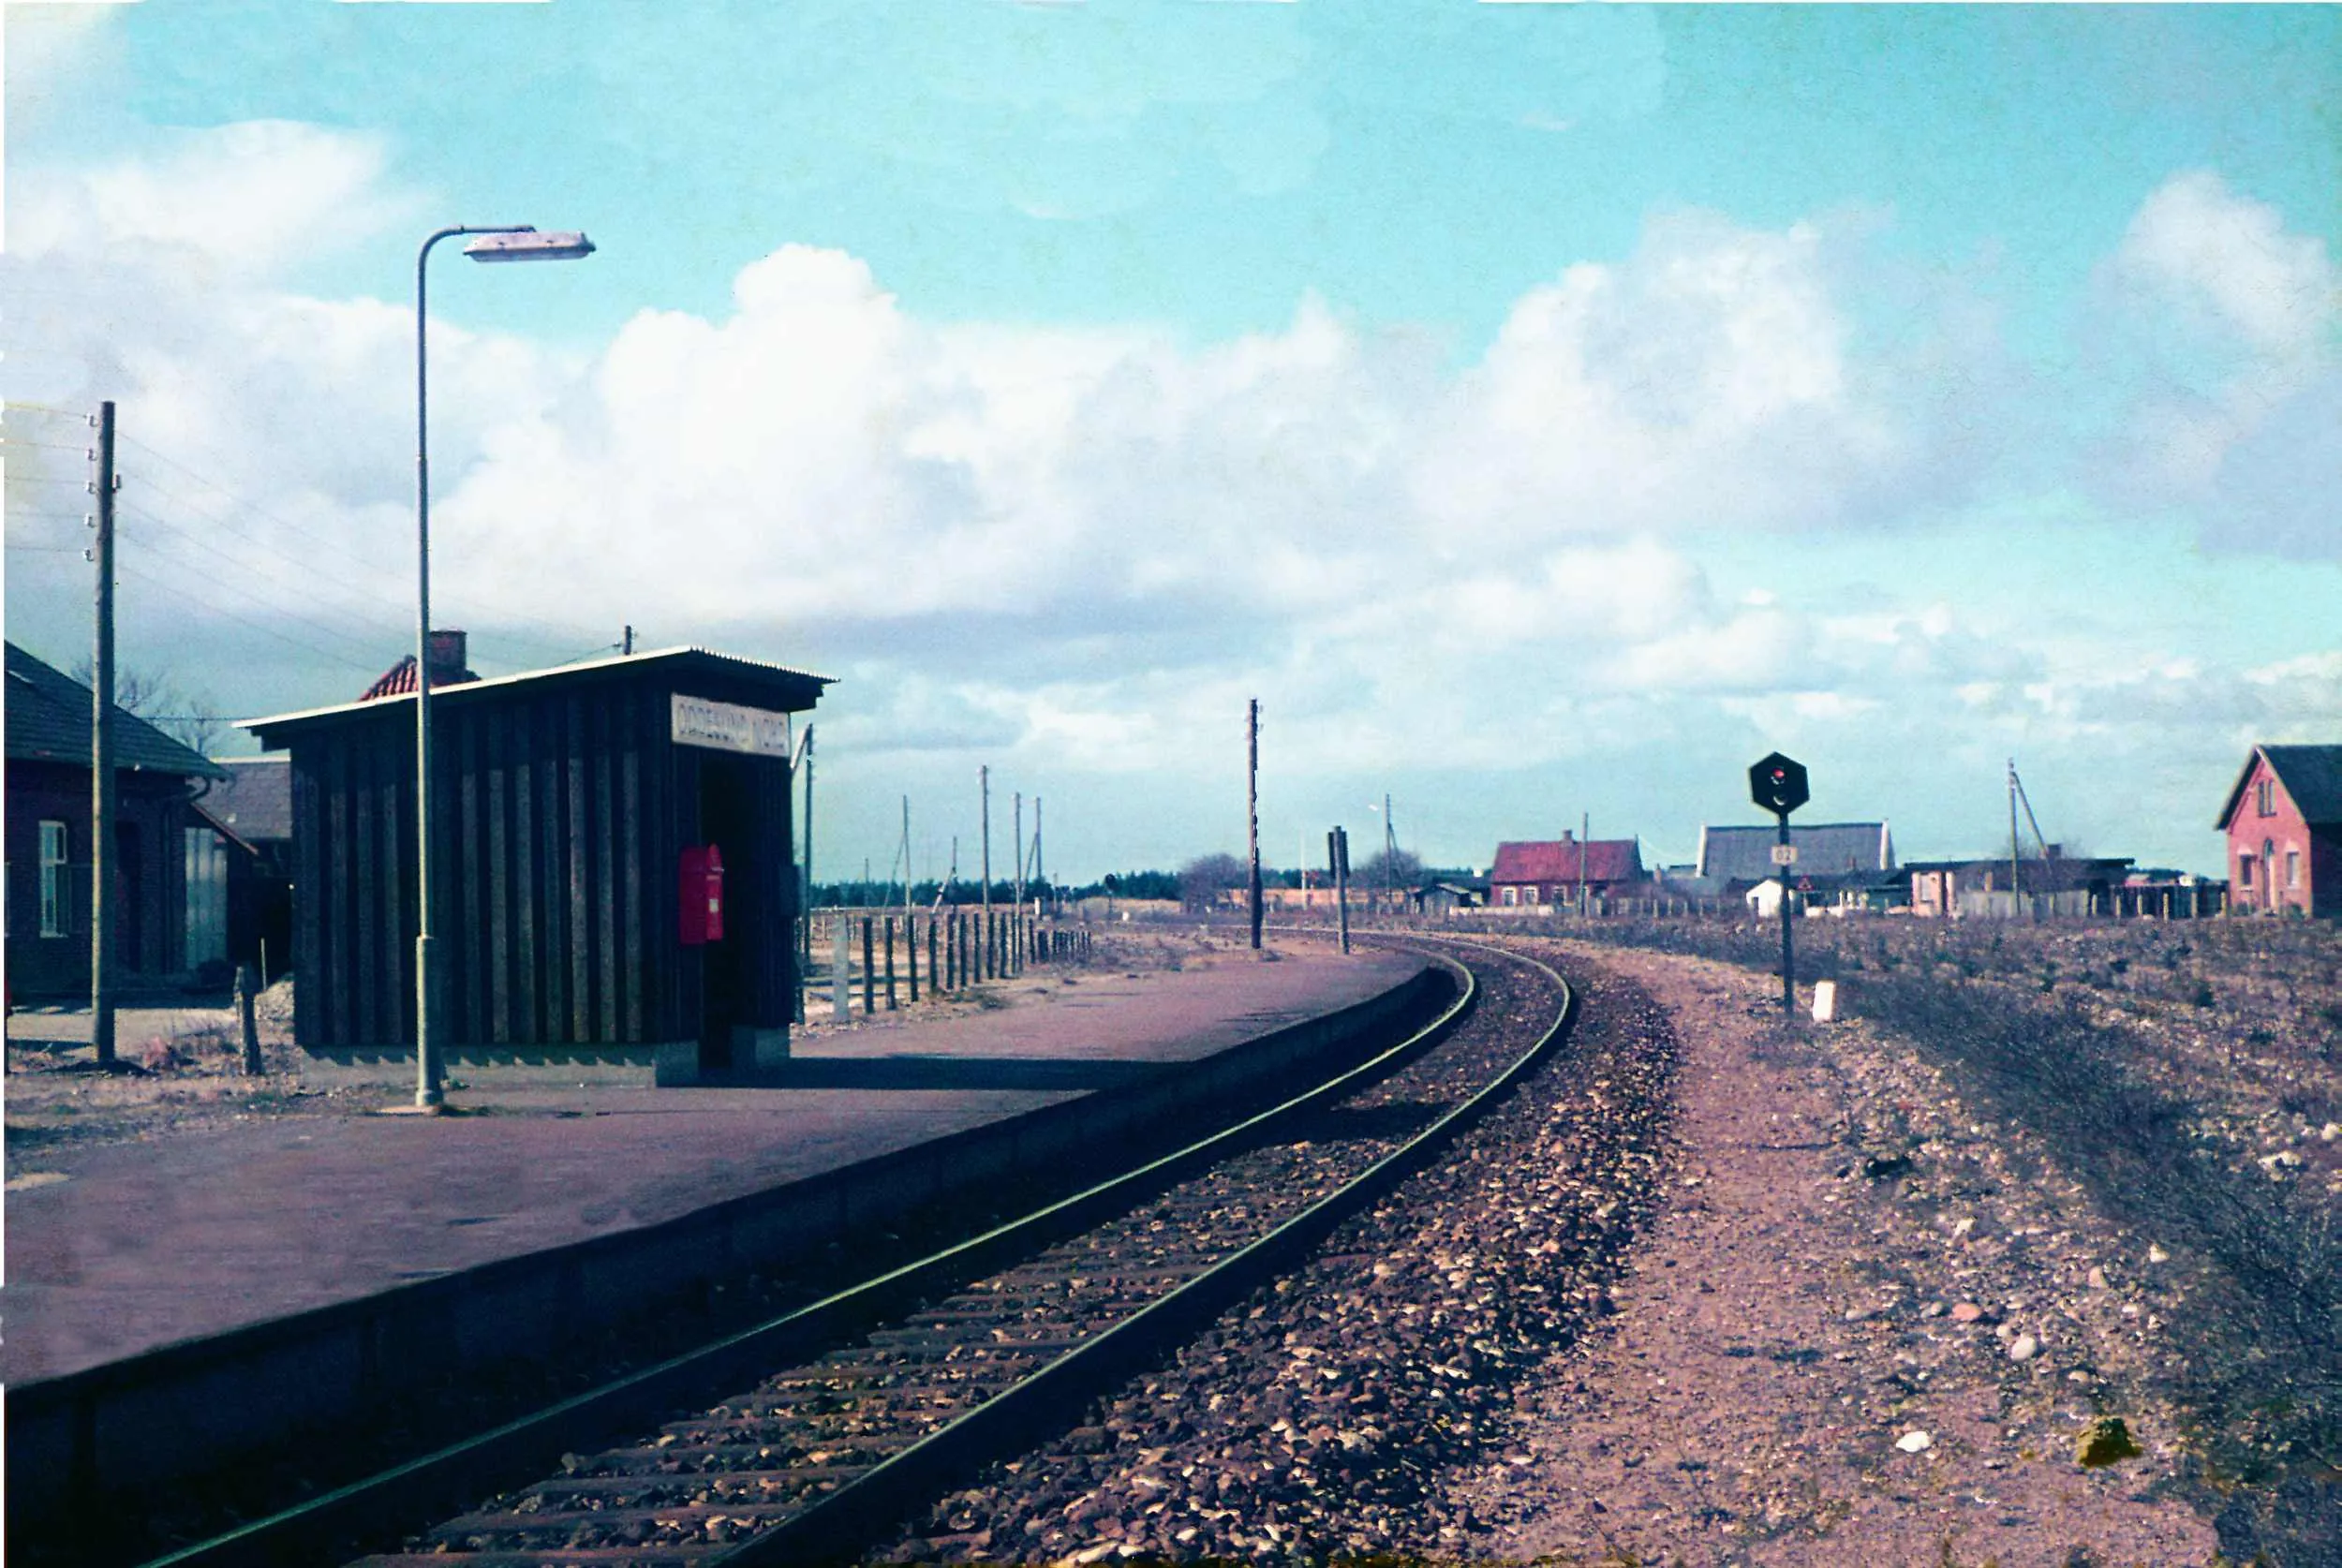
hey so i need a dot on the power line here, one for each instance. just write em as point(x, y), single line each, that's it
point(243, 620)
point(173, 531)
point(562, 634)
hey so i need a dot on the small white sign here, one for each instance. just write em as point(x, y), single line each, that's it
point(726, 727)
point(1785, 855)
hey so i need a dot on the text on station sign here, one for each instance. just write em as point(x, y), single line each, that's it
point(728, 727)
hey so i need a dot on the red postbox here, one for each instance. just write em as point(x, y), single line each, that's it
point(700, 896)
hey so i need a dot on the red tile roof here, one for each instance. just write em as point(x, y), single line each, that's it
point(1606, 860)
point(399, 679)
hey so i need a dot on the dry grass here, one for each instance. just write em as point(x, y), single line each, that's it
point(2189, 1076)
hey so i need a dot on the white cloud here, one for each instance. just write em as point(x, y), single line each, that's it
point(247, 199)
point(2221, 334)
point(1085, 548)
point(2198, 242)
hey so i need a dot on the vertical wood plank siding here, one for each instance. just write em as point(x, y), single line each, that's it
point(558, 818)
point(645, 785)
point(581, 866)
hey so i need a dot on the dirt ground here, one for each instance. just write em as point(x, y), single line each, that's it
point(1870, 1328)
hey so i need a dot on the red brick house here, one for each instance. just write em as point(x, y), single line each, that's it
point(1549, 871)
point(2284, 826)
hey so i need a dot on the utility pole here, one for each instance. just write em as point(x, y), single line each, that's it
point(1585, 826)
point(984, 784)
point(2014, 900)
point(1038, 874)
point(906, 858)
point(101, 760)
point(1251, 809)
point(808, 845)
point(1017, 879)
point(625, 642)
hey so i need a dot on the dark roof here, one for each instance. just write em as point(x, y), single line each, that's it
point(2312, 777)
point(49, 721)
point(693, 672)
point(1745, 853)
point(1606, 860)
point(255, 801)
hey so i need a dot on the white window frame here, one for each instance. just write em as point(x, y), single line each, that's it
point(2244, 870)
point(2265, 797)
point(56, 882)
point(2292, 869)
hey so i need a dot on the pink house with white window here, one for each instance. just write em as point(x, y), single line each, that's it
point(2284, 826)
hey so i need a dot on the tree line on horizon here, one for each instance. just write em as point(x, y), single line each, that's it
point(1196, 885)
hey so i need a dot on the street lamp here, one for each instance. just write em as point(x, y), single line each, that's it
point(510, 241)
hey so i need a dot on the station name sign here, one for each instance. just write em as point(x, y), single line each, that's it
point(727, 727)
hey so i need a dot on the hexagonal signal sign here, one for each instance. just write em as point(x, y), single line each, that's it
point(1777, 783)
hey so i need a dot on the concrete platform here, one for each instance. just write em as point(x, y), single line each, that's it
point(121, 1250)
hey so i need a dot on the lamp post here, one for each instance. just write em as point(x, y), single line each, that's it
point(510, 241)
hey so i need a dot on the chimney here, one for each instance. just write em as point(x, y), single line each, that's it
point(447, 654)
point(1568, 836)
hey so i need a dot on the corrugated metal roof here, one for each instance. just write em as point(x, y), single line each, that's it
point(2312, 777)
point(49, 721)
point(699, 658)
point(1606, 860)
point(1745, 853)
point(255, 801)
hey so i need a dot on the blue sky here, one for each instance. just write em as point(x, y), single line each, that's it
point(1542, 409)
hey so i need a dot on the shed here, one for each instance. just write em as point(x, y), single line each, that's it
point(251, 809)
point(567, 805)
point(1981, 888)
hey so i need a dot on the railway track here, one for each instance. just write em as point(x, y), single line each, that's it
point(854, 1411)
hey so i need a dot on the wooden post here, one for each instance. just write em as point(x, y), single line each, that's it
point(840, 966)
point(890, 963)
point(984, 785)
point(1252, 814)
point(911, 953)
point(869, 972)
point(102, 762)
point(253, 1066)
point(932, 972)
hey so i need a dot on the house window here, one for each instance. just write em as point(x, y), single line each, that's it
point(2292, 869)
point(2265, 797)
point(55, 889)
point(1512, 897)
point(2244, 871)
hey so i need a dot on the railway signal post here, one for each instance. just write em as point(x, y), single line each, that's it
point(1778, 784)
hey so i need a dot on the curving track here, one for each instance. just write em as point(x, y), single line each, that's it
point(892, 1392)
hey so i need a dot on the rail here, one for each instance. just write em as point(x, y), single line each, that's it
point(853, 1505)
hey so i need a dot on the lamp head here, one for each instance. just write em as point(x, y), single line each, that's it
point(528, 244)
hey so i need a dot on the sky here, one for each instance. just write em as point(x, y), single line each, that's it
point(1543, 411)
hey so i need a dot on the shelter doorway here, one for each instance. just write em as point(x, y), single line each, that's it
point(728, 821)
